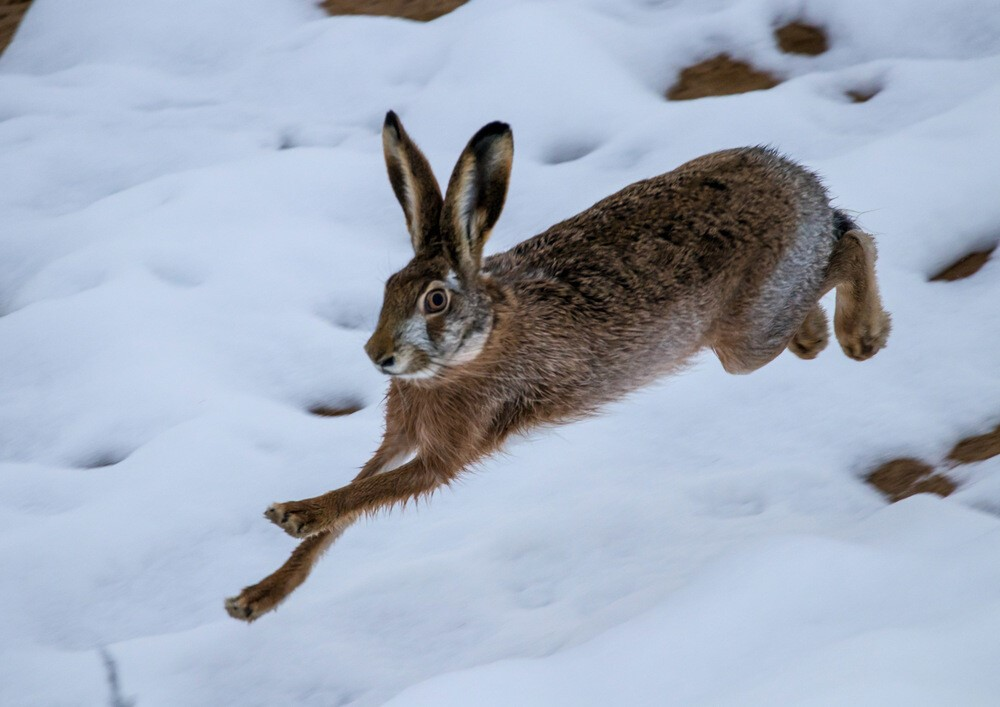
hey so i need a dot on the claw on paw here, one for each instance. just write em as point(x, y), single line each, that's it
point(250, 605)
point(298, 522)
point(806, 346)
point(870, 340)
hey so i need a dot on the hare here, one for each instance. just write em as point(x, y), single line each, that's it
point(731, 251)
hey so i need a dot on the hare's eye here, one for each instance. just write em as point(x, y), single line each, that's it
point(435, 301)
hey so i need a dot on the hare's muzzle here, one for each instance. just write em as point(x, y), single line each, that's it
point(381, 353)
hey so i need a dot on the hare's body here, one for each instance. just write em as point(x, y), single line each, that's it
point(727, 251)
point(731, 251)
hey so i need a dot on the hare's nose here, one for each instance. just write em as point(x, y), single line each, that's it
point(379, 351)
point(387, 362)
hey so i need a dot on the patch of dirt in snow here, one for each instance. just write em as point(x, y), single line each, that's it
point(862, 96)
point(902, 478)
point(722, 75)
point(423, 10)
point(976, 449)
point(335, 410)
point(800, 38)
point(966, 266)
point(11, 12)
point(905, 477)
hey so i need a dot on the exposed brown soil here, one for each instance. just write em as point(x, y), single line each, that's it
point(719, 76)
point(800, 38)
point(335, 411)
point(902, 478)
point(722, 75)
point(11, 12)
point(976, 449)
point(862, 96)
point(423, 10)
point(965, 266)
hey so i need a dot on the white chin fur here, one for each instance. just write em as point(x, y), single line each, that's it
point(423, 374)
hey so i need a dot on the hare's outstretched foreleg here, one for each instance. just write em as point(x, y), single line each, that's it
point(305, 518)
point(394, 448)
point(323, 519)
point(861, 324)
point(812, 336)
point(335, 509)
point(264, 596)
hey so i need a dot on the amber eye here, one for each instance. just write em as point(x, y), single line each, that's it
point(435, 301)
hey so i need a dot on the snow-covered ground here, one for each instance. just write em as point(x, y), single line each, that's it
point(195, 226)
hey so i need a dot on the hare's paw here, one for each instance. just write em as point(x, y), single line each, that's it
point(299, 520)
point(868, 337)
point(252, 603)
point(812, 337)
point(807, 347)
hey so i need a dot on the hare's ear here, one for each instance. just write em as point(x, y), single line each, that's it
point(414, 184)
point(475, 195)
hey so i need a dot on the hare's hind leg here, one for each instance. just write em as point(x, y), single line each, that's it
point(752, 341)
point(758, 335)
point(861, 324)
point(813, 336)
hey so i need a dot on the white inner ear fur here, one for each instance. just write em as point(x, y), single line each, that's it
point(409, 188)
point(411, 207)
point(465, 202)
point(411, 202)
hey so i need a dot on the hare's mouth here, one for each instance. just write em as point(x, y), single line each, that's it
point(409, 366)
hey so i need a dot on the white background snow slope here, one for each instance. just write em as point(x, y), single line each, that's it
point(195, 226)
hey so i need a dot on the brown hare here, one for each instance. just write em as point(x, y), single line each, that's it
point(731, 251)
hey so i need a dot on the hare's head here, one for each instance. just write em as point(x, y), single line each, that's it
point(436, 313)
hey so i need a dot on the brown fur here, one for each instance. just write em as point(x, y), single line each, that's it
point(730, 251)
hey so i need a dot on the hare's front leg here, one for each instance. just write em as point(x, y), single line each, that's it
point(339, 508)
point(301, 519)
point(260, 598)
point(264, 596)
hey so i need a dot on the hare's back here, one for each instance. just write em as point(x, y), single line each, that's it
point(708, 220)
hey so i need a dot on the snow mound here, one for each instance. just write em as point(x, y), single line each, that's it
point(197, 226)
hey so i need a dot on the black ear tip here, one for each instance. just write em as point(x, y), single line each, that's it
point(491, 130)
point(392, 122)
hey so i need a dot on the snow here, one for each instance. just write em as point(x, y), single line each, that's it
point(900, 613)
point(197, 226)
